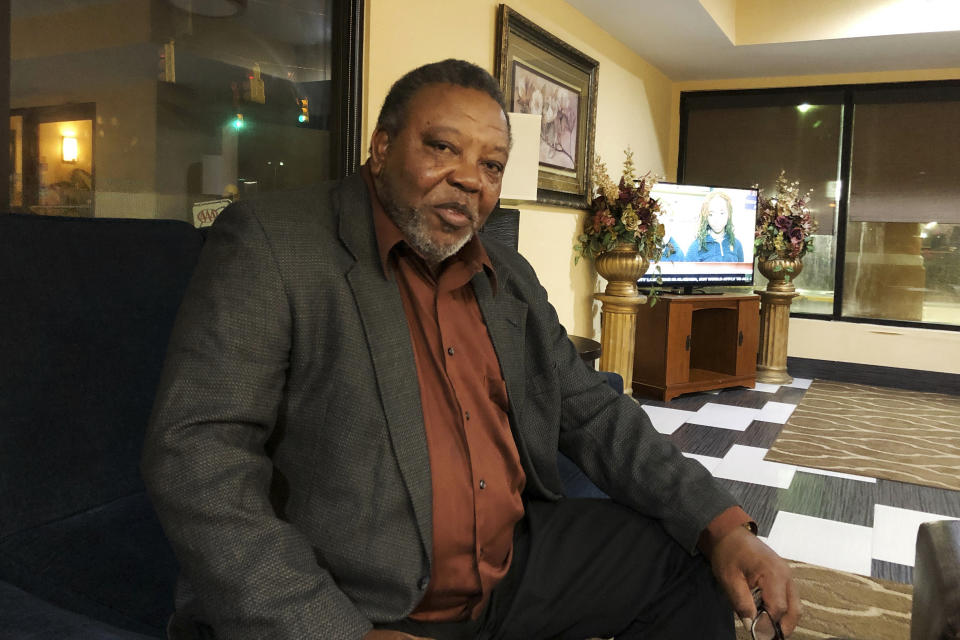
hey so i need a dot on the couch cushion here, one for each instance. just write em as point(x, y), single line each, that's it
point(111, 563)
point(26, 617)
point(87, 309)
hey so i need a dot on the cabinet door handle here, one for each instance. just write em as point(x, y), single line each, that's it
point(740, 339)
point(687, 347)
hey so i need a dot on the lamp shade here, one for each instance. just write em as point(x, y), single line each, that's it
point(520, 176)
point(69, 148)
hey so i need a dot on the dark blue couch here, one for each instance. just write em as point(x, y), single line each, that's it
point(86, 307)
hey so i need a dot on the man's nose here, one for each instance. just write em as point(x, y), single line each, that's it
point(465, 176)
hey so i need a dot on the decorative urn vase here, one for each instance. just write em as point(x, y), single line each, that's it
point(621, 266)
point(777, 270)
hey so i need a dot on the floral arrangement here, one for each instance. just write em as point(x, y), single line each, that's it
point(784, 226)
point(622, 213)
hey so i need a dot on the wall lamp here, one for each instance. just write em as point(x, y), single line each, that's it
point(69, 149)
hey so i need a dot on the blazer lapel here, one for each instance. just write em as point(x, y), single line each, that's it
point(380, 306)
point(506, 319)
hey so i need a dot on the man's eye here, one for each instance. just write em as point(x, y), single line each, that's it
point(495, 167)
point(440, 146)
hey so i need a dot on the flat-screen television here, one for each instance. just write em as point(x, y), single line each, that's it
point(709, 232)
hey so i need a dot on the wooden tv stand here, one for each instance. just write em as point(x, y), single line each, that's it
point(689, 343)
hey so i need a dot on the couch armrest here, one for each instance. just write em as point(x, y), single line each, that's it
point(936, 582)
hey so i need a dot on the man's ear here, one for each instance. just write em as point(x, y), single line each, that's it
point(379, 146)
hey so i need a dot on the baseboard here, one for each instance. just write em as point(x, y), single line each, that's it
point(898, 378)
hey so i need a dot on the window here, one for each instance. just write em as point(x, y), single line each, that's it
point(886, 249)
point(742, 141)
point(903, 234)
point(173, 108)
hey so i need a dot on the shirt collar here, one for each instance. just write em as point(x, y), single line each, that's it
point(389, 236)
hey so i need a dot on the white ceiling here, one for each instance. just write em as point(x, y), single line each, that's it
point(680, 39)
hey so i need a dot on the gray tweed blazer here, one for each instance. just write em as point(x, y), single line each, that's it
point(286, 454)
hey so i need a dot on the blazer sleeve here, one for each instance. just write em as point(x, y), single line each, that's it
point(609, 436)
point(204, 460)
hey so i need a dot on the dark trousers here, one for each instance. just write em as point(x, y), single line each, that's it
point(584, 568)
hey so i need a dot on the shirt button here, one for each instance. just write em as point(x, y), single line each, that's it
point(424, 582)
point(450, 350)
point(483, 484)
point(467, 414)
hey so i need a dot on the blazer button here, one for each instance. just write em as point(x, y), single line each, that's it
point(424, 583)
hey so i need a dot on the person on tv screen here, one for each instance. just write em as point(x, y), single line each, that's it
point(715, 241)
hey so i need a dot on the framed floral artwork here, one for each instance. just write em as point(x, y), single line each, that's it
point(543, 75)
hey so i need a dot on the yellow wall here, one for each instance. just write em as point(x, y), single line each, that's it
point(633, 108)
point(844, 341)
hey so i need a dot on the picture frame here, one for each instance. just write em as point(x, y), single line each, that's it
point(539, 73)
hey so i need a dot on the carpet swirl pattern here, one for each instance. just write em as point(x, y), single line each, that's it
point(907, 436)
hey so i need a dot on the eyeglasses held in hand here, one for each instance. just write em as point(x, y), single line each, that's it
point(764, 627)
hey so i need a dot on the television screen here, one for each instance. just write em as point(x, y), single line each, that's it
point(709, 231)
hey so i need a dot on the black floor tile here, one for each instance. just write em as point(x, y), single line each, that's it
point(828, 497)
point(758, 500)
point(919, 498)
point(704, 440)
point(892, 571)
point(790, 395)
point(689, 402)
point(740, 397)
point(759, 434)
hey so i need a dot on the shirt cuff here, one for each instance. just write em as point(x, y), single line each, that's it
point(728, 520)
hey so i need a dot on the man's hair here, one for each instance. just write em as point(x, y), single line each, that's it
point(460, 73)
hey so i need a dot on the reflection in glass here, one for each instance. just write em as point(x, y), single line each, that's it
point(746, 145)
point(159, 88)
point(903, 236)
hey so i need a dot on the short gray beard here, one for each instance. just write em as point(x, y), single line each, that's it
point(410, 221)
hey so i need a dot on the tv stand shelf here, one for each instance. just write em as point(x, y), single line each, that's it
point(696, 343)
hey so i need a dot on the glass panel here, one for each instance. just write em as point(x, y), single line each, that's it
point(65, 168)
point(903, 238)
point(16, 162)
point(746, 145)
point(191, 103)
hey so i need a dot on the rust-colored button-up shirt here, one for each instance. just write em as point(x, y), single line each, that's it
point(475, 468)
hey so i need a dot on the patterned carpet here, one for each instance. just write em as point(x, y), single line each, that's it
point(907, 436)
point(848, 606)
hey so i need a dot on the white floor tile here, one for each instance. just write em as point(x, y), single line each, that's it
point(709, 462)
point(725, 416)
point(778, 412)
point(895, 532)
point(828, 543)
point(766, 387)
point(667, 420)
point(800, 383)
point(746, 464)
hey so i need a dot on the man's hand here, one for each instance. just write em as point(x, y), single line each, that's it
point(741, 563)
point(386, 634)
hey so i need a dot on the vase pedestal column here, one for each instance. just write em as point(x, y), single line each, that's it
point(774, 330)
point(618, 328)
point(775, 303)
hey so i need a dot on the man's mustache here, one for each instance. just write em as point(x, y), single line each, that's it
point(460, 207)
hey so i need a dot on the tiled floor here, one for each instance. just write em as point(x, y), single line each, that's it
point(841, 521)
